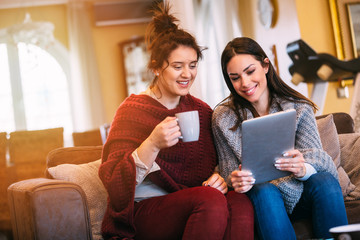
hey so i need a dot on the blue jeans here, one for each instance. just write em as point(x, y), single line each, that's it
point(321, 201)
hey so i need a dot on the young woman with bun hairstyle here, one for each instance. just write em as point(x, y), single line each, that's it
point(160, 187)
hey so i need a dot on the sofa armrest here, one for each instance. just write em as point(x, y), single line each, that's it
point(43, 208)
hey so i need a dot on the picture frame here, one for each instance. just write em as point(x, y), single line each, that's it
point(135, 58)
point(346, 27)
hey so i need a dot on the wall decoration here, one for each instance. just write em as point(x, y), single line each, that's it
point(345, 16)
point(135, 60)
point(354, 20)
point(267, 10)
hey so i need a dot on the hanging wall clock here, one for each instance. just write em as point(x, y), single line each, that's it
point(267, 12)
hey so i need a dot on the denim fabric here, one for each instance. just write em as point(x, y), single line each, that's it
point(321, 201)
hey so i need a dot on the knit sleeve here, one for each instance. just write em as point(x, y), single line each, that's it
point(309, 144)
point(227, 142)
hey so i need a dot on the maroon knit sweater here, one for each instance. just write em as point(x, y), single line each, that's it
point(182, 165)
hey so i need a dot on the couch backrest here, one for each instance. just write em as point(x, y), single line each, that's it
point(343, 122)
point(72, 155)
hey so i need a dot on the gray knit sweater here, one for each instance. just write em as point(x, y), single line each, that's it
point(307, 141)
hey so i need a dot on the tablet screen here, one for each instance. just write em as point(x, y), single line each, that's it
point(264, 139)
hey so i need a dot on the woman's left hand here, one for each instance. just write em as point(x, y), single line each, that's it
point(293, 161)
point(216, 181)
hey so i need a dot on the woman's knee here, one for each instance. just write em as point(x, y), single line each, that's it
point(209, 197)
point(211, 203)
point(323, 182)
point(322, 177)
point(263, 192)
point(239, 199)
point(240, 204)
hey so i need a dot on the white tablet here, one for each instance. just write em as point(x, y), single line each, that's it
point(264, 139)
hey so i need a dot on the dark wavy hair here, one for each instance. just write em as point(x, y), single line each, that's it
point(245, 45)
point(163, 36)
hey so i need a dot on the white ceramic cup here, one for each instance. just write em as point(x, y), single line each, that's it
point(189, 125)
point(346, 232)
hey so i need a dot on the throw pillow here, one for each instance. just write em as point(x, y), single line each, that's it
point(86, 176)
point(330, 142)
point(350, 152)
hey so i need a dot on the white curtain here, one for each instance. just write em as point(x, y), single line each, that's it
point(87, 103)
point(214, 24)
point(355, 104)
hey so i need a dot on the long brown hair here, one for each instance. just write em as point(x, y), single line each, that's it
point(163, 36)
point(245, 45)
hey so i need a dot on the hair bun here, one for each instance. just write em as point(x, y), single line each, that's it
point(165, 23)
point(163, 35)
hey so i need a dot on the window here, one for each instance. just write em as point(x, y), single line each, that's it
point(6, 110)
point(34, 92)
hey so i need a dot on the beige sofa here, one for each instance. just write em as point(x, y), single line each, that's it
point(73, 207)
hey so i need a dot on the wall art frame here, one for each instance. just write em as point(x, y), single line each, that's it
point(346, 28)
point(135, 58)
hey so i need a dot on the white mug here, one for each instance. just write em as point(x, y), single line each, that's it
point(189, 125)
point(346, 232)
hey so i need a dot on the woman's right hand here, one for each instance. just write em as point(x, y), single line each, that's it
point(165, 134)
point(242, 181)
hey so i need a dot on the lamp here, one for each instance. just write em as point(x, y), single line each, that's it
point(37, 33)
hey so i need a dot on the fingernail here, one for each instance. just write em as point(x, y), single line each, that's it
point(249, 173)
point(278, 161)
point(285, 154)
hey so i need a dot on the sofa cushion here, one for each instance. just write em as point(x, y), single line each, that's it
point(350, 160)
point(86, 176)
point(330, 142)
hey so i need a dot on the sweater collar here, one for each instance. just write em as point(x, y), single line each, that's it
point(277, 104)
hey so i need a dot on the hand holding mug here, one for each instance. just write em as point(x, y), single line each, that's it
point(165, 134)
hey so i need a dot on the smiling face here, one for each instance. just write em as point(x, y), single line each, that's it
point(177, 76)
point(248, 78)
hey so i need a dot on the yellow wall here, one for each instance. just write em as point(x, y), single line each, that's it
point(315, 26)
point(316, 30)
point(106, 40)
point(56, 14)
